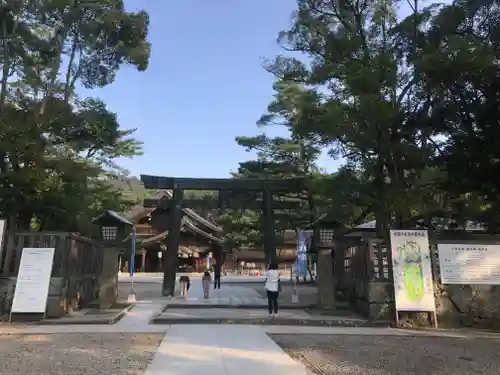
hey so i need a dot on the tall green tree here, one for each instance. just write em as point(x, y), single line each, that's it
point(57, 151)
point(372, 109)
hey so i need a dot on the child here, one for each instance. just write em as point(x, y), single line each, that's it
point(206, 280)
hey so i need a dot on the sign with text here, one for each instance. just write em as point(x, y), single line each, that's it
point(33, 280)
point(469, 264)
point(411, 262)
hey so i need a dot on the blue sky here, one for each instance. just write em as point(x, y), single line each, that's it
point(205, 84)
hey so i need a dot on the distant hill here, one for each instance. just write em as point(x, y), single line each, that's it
point(132, 188)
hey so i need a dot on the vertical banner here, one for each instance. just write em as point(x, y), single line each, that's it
point(411, 262)
point(132, 253)
point(209, 261)
point(3, 227)
point(301, 255)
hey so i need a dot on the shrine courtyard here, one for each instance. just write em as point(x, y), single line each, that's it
point(136, 345)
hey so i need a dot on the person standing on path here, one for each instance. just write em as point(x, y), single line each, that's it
point(217, 272)
point(273, 287)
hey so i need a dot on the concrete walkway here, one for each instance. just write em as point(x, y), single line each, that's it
point(230, 295)
point(158, 278)
point(222, 349)
point(216, 350)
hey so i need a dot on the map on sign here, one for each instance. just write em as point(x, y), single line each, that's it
point(412, 271)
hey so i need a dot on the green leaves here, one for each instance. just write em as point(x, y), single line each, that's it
point(58, 152)
point(410, 105)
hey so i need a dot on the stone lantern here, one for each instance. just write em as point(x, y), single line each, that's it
point(322, 248)
point(113, 229)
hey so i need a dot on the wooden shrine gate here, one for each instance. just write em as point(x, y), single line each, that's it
point(226, 188)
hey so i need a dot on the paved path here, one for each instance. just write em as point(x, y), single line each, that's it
point(158, 278)
point(228, 295)
point(207, 349)
point(217, 350)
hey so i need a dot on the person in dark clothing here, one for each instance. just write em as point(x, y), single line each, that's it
point(217, 272)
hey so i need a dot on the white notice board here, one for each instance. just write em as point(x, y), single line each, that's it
point(411, 262)
point(469, 264)
point(33, 280)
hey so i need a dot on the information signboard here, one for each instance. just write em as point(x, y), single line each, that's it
point(469, 264)
point(33, 280)
point(411, 261)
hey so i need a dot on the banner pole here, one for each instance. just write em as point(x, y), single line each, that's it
point(131, 296)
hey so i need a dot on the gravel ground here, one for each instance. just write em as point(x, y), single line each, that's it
point(392, 355)
point(77, 354)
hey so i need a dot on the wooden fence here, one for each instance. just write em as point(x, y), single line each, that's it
point(77, 263)
point(363, 276)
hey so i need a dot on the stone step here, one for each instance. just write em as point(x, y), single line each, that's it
point(210, 315)
point(202, 305)
point(271, 321)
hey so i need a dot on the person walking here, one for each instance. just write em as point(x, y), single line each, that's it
point(185, 283)
point(273, 287)
point(206, 280)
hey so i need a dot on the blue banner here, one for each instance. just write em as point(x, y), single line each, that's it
point(301, 255)
point(209, 260)
point(132, 253)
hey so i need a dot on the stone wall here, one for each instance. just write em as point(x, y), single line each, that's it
point(456, 306)
point(367, 284)
point(57, 305)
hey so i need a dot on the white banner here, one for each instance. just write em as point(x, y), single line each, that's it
point(411, 262)
point(3, 224)
point(33, 280)
point(469, 264)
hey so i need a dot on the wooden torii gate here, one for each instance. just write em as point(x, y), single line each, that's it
point(226, 186)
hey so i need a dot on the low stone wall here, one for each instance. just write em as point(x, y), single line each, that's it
point(468, 305)
point(456, 305)
point(57, 305)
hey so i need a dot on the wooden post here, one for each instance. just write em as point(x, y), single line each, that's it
point(173, 239)
point(217, 252)
point(269, 233)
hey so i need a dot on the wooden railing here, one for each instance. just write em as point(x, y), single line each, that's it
point(76, 267)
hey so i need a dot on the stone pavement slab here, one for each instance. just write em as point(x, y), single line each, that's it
point(216, 350)
point(135, 321)
point(84, 316)
point(229, 295)
point(255, 317)
point(158, 278)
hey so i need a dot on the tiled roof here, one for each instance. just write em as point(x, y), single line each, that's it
point(114, 215)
